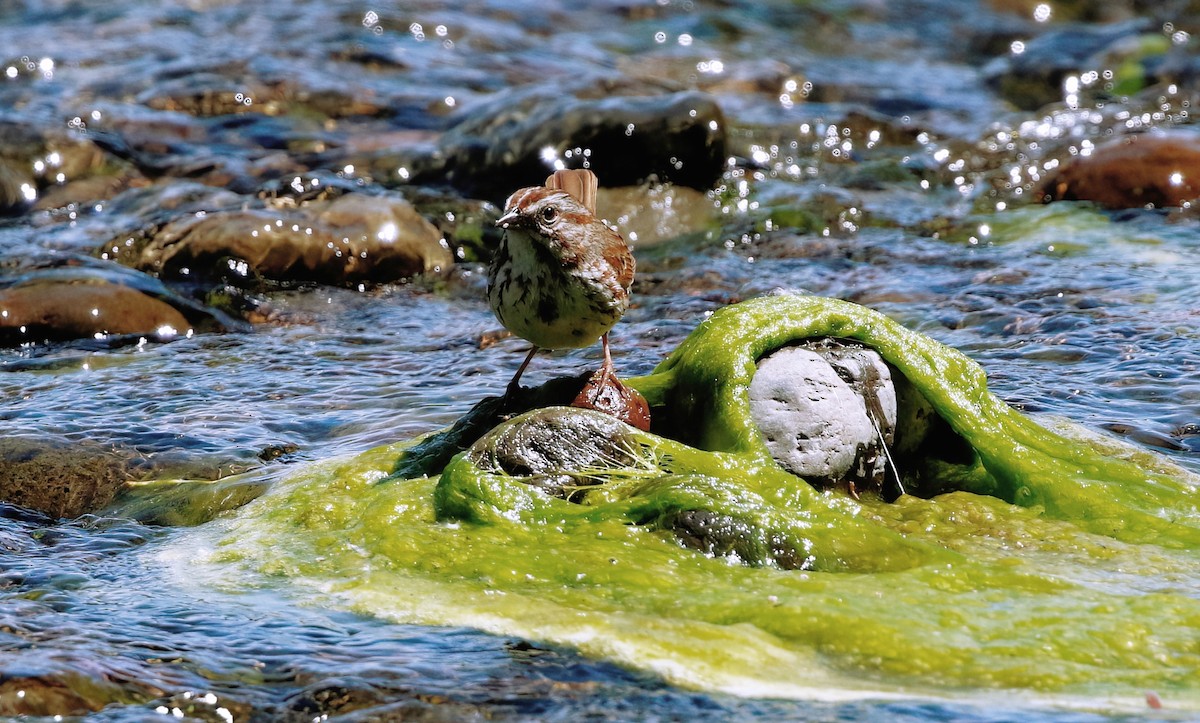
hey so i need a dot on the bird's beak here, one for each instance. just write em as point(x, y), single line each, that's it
point(506, 219)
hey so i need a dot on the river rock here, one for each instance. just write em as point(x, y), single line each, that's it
point(34, 160)
point(826, 411)
point(93, 300)
point(1034, 77)
point(232, 88)
point(16, 190)
point(59, 479)
point(515, 140)
point(718, 534)
point(652, 213)
point(1134, 171)
point(550, 447)
point(350, 239)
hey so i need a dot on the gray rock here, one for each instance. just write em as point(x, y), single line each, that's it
point(552, 448)
point(834, 412)
point(627, 135)
point(1034, 77)
point(814, 413)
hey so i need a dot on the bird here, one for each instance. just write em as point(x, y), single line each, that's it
point(561, 277)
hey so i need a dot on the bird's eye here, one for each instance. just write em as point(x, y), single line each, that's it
point(550, 214)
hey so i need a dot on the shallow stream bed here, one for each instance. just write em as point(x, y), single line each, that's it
point(870, 159)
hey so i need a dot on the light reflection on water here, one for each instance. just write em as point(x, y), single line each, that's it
point(1098, 325)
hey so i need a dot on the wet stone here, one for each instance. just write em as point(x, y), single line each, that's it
point(1156, 169)
point(468, 225)
point(605, 393)
point(16, 190)
point(350, 239)
point(551, 447)
point(84, 192)
point(1034, 77)
point(94, 300)
point(649, 214)
point(515, 140)
point(57, 478)
point(230, 90)
point(721, 535)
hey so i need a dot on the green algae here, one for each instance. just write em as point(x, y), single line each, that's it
point(1061, 565)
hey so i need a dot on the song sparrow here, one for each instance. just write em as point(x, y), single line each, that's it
point(561, 277)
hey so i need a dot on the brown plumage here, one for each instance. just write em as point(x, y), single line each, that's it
point(560, 277)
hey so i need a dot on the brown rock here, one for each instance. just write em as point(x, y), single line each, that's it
point(14, 186)
point(1133, 171)
point(605, 393)
point(350, 239)
point(57, 309)
point(60, 480)
point(649, 214)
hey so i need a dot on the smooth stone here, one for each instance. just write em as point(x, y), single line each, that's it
point(1134, 171)
point(350, 239)
point(96, 300)
point(84, 192)
point(650, 214)
point(36, 161)
point(825, 411)
point(209, 94)
point(38, 312)
point(516, 141)
point(57, 479)
point(15, 190)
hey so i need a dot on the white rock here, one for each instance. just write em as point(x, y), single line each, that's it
point(822, 408)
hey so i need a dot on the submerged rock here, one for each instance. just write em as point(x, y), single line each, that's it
point(649, 214)
point(1034, 77)
point(95, 301)
point(37, 162)
point(1135, 171)
point(16, 190)
point(59, 479)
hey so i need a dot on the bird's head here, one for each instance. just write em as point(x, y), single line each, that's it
point(543, 210)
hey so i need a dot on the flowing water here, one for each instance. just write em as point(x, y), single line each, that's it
point(1072, 311)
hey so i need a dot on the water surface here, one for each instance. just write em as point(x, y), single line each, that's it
point(1072, 312)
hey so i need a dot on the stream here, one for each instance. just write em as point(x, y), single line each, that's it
point(885, 153)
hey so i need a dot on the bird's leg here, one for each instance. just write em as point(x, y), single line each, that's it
point(513, 387)
point(606, 370)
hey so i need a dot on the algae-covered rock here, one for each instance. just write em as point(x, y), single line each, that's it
point(690, 553)
point(555, 448)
